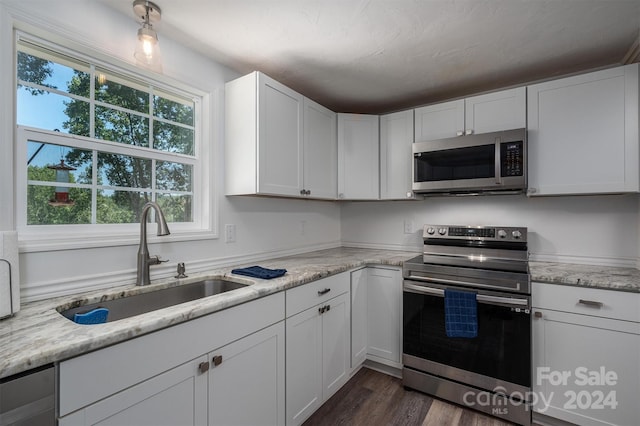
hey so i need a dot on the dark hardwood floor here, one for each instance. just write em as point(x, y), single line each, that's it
point(371, 398)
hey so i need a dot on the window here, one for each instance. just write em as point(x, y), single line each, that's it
point(95, 143)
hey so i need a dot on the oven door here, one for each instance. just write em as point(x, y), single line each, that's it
point(500, 355)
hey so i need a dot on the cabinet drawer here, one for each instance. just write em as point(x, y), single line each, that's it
point(587, 301)
point(305, 296)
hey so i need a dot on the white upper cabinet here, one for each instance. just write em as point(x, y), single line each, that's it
point(272, 135)
point(263, 126)
point(491, 112)
point(396, 137)
point(583, 133)
point(358, 154)
point(320, 151)
point(439, 121)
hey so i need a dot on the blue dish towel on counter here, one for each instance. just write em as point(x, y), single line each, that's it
point(460, 313)
point(260, 272)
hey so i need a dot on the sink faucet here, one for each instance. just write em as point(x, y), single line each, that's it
point(144, 260)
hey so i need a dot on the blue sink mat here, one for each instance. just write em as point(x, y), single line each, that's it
point(95, 316)
point(260, 272)
point(460, 313)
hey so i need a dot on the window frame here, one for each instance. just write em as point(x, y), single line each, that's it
point(60, 237)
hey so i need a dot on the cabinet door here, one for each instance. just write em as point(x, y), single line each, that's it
point(384, 315)
point(304, 365)
point(497, 111)
point(439, 121)
point(176, 397)
point(358, 153)
point(279, 138)
point(586, 370)
point(359, 290)
point(335, 344)
point(320, 164)
point(246, 387)
point(396, 138)
point(583, 133)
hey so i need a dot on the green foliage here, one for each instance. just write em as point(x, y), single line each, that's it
point(115, 170)
point(34, 70)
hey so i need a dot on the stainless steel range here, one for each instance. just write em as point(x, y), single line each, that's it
point(488, 366)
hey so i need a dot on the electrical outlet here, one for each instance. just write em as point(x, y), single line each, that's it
point(230, 233)
point(408, 227)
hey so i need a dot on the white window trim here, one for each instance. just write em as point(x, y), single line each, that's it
point(65, 237)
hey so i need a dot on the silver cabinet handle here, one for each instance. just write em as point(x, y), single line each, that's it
point(324, 309)
point(203, 367)
point(459, 133)
point(468, 132)
point(591, 303)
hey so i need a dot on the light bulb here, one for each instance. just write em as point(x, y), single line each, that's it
point(147, 50)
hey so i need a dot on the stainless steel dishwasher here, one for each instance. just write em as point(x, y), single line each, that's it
point(29, 398)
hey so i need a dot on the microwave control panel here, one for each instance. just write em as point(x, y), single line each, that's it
point(512, 159)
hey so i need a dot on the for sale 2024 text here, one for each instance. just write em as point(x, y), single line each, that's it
point(587, 398)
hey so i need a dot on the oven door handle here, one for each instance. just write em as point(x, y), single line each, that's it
point(493, 300)
point(453, 282)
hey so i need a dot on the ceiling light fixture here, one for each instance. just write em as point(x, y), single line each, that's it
point(147, 51)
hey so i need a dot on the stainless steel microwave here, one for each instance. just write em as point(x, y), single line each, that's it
point(482, 163)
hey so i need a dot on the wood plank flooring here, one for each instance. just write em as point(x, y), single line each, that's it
point(371, 398)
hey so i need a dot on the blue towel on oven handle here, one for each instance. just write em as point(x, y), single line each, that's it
point(461, 313)
point(260, 272)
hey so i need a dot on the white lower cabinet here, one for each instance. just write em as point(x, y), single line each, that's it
point(376, 316)
point(384, 315)
point(176, 397)
point(359, 300)
point(586, 355)
point(246, 387)
point(317, 347)
point(146, 381)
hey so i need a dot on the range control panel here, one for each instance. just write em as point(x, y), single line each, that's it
point(475, 233)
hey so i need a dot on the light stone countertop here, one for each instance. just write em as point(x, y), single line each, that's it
point(603, 277)
point(38, 335)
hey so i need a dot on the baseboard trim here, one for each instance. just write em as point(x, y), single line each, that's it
point(383, 368)
point(77, 284)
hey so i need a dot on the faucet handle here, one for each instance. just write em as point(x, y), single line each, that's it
point(155, 260)
point(181, 271)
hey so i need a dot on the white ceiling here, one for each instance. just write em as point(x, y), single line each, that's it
point(384, 55)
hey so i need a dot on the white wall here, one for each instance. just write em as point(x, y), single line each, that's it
point(264, 226)
point(585, 229)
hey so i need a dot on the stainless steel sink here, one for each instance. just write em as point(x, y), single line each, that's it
point(129, 306)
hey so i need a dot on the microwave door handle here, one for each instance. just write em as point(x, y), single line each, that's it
point(497, 163)
point(483, 298)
